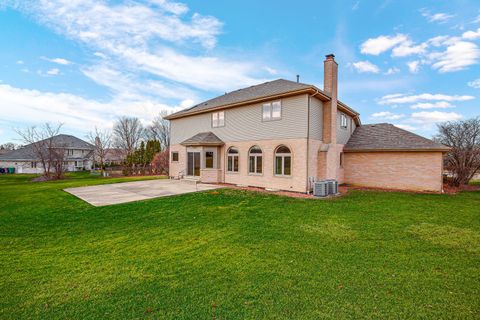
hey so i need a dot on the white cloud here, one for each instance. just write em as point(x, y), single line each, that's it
point(34, 107)
point(407, 48)
point(61, 61)
point(437, 17)
point(378, 45)
point(474, 84)
point(53, 72)
point(413, 66)
point(20, 62)
point(153, 38)
point(392, 71)
point(457, 56)
point(172, 7)
point(426, 117)
point(471, 35)
point(402, 98)
point(432, 105)
point(365, 67)
point(387, 115)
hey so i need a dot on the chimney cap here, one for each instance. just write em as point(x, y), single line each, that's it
point(330, 56)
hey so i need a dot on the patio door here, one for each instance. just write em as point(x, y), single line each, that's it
point(193, 164)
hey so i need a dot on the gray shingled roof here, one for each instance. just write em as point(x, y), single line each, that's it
point(385, 136)
point(203, 138)
point(61, 140)
point(254, 92)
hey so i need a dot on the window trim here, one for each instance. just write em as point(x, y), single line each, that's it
point(217, 114)
point(270, 106)
point(342, 117)
point(178, 156)
point(233, 155)
point(282, 156)
point(255, 161)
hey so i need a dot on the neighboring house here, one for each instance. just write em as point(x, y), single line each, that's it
point(282, 134)
point(77, 156)
point(115, 156)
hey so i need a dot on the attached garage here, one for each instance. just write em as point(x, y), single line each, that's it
point(385, 156)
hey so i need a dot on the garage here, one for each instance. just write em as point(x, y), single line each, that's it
point(385, 156)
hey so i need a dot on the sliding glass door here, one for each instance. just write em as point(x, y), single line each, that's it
point(193, 164)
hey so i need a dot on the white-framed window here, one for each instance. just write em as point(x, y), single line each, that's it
point(255, 160)
point(283, 161)
point(70, 152)
point(174, 156)
point(218, 119)
point(33, 164)
point(232, 160)
point(343, 121)
point(272, 111)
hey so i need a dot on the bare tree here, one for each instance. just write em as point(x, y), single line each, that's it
point(44, 147)
point(463, 137)
point(160, 129)
point(102, 140)
point(127, 133)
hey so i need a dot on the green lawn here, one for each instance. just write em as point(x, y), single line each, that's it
point(237, 255)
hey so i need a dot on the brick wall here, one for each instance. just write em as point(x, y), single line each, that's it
point(395, 170)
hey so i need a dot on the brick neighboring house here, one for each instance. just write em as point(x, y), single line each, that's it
point(78, 156)
point(280, 134)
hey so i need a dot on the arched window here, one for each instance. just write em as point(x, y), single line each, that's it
point(255, 160)
point(283, 161)
point(232, 160)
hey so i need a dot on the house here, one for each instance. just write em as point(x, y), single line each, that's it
point(115, 156)
point(281, 134)
point(76, 154)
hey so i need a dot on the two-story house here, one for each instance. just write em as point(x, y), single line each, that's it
point(77, 155)
point(282, 134)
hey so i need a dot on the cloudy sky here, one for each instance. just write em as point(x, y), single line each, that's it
point(84, 63)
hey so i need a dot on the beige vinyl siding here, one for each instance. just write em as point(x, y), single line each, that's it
point(245, 123)
point(343, 134)
point(316, 119)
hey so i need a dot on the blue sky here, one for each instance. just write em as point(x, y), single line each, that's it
point(85, 63)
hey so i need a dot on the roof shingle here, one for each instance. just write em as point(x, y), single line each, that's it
point(262, 90)
point(203, 138)
point(387, 137)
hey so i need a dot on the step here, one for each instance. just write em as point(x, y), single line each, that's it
point(190, 181)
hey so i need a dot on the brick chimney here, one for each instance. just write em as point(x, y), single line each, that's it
point(330, 82)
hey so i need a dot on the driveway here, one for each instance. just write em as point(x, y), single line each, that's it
point(115, 193)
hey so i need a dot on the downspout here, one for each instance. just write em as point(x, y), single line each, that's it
point(308, 142)
point(308, 138)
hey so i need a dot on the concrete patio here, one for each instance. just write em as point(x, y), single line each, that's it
point(116, 193)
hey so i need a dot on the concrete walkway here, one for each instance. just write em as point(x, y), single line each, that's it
point(115, 193)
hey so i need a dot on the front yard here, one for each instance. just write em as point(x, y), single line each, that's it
point(230, 254)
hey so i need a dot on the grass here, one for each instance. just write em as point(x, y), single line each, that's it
point(230, 254)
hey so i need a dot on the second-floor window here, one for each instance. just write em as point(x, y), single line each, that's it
point(343, 121)
point(218, 119)
point(70, 152)
point(272, 111)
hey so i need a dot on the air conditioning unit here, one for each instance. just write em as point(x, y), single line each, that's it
point(320, 189)
point(332, 186)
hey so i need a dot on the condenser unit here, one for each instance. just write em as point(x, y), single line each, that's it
point(320, 189)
